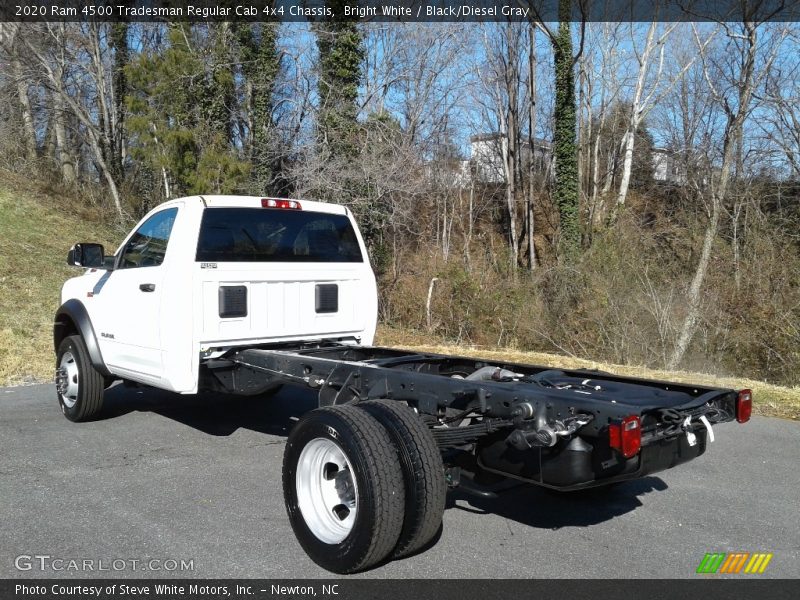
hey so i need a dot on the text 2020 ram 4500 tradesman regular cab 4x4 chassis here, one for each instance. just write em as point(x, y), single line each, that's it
point(243, 295)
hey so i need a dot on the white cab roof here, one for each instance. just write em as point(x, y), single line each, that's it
point(255, 202)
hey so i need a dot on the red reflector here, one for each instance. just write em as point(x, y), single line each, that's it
point(275, 203)
point(615, 436)
point(744, 406)
point(626, 436)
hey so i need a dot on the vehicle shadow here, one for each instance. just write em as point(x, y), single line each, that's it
point(214, 413)
point(223, 414)
point(547, 509)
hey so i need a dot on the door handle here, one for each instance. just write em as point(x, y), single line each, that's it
point(147, 287)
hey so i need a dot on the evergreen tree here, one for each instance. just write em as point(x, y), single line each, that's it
point(341, 54)
point(180, 104)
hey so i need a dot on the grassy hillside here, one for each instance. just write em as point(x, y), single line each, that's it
point(37, 228)
point(36, 231)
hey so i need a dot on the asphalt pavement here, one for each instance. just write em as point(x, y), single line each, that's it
point(197, 479)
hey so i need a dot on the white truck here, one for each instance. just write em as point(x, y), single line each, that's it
point(245, 294)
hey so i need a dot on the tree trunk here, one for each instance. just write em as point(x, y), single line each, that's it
point(635, 117)
point(27, 114)
point(530, 224)
point(512, 137)
point(119, 43)
point(693, 297)
point(106, 172)
point(627, 164)
point(8, 37)
point(64, 158)
point(508, 167)
point(102, 105)
point(428, 316)
point(470, 224)
point(733, 132)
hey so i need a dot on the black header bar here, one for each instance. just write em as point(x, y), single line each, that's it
point(390, 589)
point(409, 11)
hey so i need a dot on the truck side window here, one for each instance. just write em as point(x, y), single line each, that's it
point(148, 245)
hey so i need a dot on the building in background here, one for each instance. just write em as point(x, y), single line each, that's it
point(485, 164)
point(667, 168)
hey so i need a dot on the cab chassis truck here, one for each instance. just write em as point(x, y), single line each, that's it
point(245, 294)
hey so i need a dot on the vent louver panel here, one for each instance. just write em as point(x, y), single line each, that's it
point(232, 301)
point(327, 298)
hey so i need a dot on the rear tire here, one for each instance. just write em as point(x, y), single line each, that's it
point(423, 473)
point(78, 384)
point(343, 488)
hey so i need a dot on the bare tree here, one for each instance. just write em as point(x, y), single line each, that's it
point(781, 124)
point(11, 46)
point(532, 97)
point(54, 52)
point(502, 83)
point(600, 67)
point(732, 80)
point(647, 89)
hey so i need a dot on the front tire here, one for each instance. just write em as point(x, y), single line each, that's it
point(78, 384)
point(343, 488)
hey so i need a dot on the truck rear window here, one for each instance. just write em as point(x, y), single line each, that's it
point(276, 235)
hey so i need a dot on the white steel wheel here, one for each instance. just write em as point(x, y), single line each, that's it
point(68, 379)
point(343, 488)
point(326, 490)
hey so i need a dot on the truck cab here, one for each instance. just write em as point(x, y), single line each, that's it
point(201, 275)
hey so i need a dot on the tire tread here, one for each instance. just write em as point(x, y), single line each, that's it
point(374, 447)
point(426, 489)
point(388, 480)
point(91, 383)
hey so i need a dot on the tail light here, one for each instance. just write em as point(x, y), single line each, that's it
point(275, 203)
point(626, 436)
point(744, 406)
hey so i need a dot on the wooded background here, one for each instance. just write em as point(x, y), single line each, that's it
point(584, 247)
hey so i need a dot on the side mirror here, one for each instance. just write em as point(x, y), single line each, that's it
point(90, 256)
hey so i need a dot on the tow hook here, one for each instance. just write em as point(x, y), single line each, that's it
point(524, 440)
point(687, 428)
point(705, 421)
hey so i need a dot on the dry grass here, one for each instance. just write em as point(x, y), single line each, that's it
point(768, 400)
point(34, 239)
